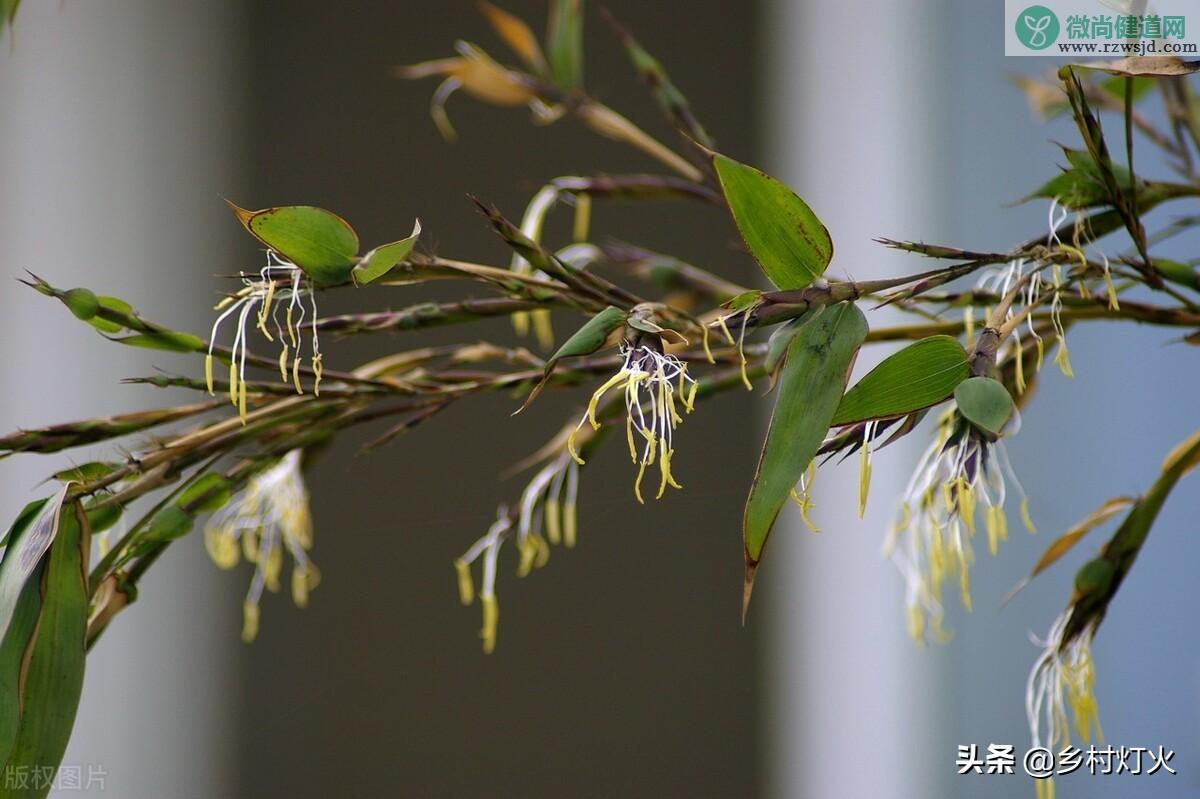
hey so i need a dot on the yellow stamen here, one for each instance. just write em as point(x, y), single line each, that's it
point(965, 496)
point(317, 370)
point(1080, 678)
point(583, 218)
point(574, 453)
point(242, 401)
point(249, 621)
point(1062, 359)
point(542, 328)
point(1026, 519)
point(1113, 303)
point(916, 624)
point(296, 372)
point(249, 546)
point(1019, 355)
point(466, 587)
point(299, 588)
point(527, 551)
point(491, 619)
point(993, 528)
point(553, 522)
point(520, 323)
point(569, 526)
point(208, 373)
point(725, 329)
point(233, 376)
point(542, 550)
point(272, 565)
point(265, 309)
point(864, 478)
point(593, 404)
point(806, 505)
point(664, 466)
point(221, 548)
point(742, 357)
point(283, 356)
point(291, 328)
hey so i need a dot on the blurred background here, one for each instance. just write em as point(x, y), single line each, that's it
point(621, 668)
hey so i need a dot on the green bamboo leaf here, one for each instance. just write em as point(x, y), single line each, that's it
point(584, 341)
point(920, 375)
point(20, 604)
point(379, 261)
point(985, 403)
point(28, 540)
point(812, 379)
point(207, 494)
point(15, 643)
point(52, 677)
point(564, 43)
point(8, 12)
point(781, 339)
point(1177, 272)
point(103, 517)
point(592, 336)
point(743, 301)
point(318, 241)
point(1081, 185)
point(669, 97)
point(168, 524)
point(783, 234)
point(22, 521)
point(87, 472)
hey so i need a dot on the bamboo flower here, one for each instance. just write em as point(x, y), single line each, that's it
point(655, 385)
point(279, 285)
point(268, 516)
point(931, 539)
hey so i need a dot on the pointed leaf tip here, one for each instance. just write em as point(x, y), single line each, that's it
point(783, 234)
point(748, 586)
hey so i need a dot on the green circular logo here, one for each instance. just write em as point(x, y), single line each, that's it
point(1037, 27)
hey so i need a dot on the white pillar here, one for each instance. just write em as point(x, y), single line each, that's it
point(847, 710)
point(116, 144)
